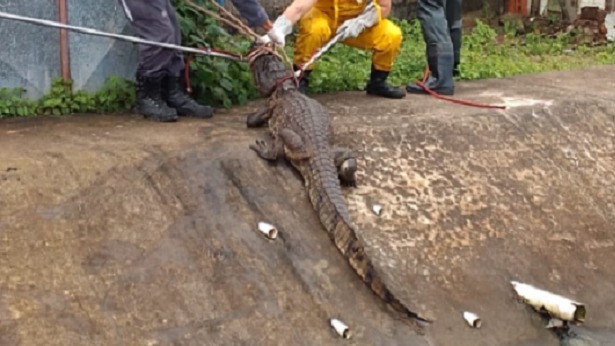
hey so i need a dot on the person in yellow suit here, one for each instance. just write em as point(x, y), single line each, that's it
point(320, 20)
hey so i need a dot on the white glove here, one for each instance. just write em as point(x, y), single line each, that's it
point(354, 27)
point(264, 39)
point(282, 27)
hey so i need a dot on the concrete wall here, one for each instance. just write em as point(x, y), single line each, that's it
point(30, 55)
point(93, 58)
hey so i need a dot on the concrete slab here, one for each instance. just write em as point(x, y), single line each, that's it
point(115, 230)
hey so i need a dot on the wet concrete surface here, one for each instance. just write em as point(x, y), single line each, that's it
point(118, 231)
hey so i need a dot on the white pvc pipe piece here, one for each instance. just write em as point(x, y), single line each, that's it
point(340, 328)
point(555, 305)
point(268, 230)
point(472, 319)
point(377, 209)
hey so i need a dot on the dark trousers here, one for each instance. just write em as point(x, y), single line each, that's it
point(155, 20)
point(441, 24)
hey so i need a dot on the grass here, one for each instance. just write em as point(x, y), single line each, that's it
point(484, 55)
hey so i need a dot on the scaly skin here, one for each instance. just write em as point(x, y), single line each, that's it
point(300, 131)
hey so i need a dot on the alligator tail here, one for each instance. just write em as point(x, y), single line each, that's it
point(326, 197)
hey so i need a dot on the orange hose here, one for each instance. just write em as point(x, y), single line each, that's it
point(422, 85)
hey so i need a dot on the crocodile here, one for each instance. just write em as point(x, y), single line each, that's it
point(300, 130)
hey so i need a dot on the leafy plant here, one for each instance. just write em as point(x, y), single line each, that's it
point(215, 81)
point(116, 95)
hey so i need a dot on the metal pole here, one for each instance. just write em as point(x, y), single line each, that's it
point(88, 31)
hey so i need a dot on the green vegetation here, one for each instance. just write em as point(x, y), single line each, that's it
point(115, 96)
point(482, 56)
point(223, 83)
point(215, 81)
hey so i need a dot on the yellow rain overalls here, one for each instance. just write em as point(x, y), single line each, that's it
point(320, 24)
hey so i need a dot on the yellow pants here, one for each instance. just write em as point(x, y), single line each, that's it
point(318, 26)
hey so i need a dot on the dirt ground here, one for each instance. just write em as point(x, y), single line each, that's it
point(118, 231)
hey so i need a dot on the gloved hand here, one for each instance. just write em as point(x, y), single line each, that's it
point(264, 39)
point(354, 27)
point(282, 27)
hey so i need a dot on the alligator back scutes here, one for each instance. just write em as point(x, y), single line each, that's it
point(308, 118)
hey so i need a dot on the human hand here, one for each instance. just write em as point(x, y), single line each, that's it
point(264, 39)
point(352, 28)
point(281, 28)
point(267, 25)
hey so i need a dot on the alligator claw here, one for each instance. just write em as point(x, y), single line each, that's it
point(258, 118)
point(348, 183)
point(268, 150)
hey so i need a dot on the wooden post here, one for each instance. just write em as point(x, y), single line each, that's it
point(64, 49)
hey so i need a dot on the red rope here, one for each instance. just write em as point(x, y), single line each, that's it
point(187, 73)
point(422, 85)
point(284, 79)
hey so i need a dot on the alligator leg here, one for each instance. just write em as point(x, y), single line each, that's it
point(268, 149)
point(258, 118)
point(346, 163)
point(297, 148)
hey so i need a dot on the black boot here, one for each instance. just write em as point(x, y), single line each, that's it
point(456, 38)
point(149, 101)
point(440, 60)
point(378, 86)
point(456, 72)
point(304, 82)
point(174, 93)
point(455, 29)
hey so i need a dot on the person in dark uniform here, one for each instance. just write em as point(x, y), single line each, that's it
point(161, 94)
point(441, 26)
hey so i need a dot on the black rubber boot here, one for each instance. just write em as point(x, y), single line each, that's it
point(456, 38)
point(378, 85)
point(174, 93)
point(149, 100)
point(304, 82)
point(440, 60)
point(455, 28)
